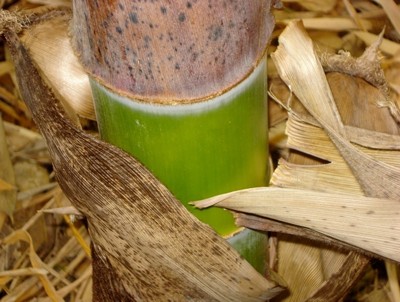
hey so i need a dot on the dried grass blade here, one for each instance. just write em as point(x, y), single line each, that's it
point(36, 263)
point(332, 24)
point(392, 11)
point(367, 223)
point(389, 47)
point(353, 13)
point(6, 276)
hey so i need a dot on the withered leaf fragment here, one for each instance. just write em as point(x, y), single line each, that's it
point(376, 178)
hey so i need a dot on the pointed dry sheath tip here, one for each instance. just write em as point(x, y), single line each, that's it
point(13, 21)
point(212, 201)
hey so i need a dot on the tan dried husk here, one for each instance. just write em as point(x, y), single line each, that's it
point(305, 135)
point(50, 48)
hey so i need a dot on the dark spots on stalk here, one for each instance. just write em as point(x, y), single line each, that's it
point(370, 212)
point(194, 56)
point(107, 62)
point(147, 40)
point(163, 10)
point(121, 7)
point(189, 5)
point(86, 17)
point(104, 24)
point(151, 25)
point(169, 58)
point(216, 33)
point(91, 43)
point(177, 67)
point(119, 30)
point(161, 37)
point(182, 17)
point(134, 18)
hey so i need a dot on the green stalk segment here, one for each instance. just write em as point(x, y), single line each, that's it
point(197, 150)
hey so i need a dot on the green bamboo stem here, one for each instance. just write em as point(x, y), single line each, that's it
point(194, 110)
point(198, 150)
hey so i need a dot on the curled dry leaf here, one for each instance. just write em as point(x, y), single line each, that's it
point(50, 48)
point(297, 62)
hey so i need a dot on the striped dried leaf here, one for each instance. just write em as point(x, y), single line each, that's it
point(365, 222)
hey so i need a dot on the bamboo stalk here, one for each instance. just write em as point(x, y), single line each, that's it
point(198, 134)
